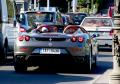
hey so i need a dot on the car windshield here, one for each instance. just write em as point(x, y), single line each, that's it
point(79, 17)
point(40, 17)
point(97, 22)
point(72, 30)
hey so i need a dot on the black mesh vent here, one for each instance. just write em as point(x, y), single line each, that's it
point(50, 39)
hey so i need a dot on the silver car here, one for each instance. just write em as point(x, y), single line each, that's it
point(46, 46)
point(102, 27)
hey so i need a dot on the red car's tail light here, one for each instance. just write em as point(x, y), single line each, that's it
point(74, 39)
point(27, 38)
point(21, 38)
point(80, 39)
point(22, 30)
point(111, 32)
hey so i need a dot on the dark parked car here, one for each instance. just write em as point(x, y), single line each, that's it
point(77, 17)
point(67, 19)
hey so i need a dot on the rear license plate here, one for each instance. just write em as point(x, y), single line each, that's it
point(49, 51)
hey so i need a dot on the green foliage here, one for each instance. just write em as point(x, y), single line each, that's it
point(99, 1)
point(81, 2)
point(83, 10)
point(68, 0)
point(10, 9)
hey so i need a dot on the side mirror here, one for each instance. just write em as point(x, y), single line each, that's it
point(20, 17)
point(77, 23)
point(17, 17)
point(65, 23)
point(14, 23)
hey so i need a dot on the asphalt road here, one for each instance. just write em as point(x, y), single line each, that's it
point(35, 75)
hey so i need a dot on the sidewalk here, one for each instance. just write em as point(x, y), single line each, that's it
point(103, 79)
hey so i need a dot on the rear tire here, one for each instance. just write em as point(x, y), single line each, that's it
point(95, 63)
point(20, 68)
point(88, 65)
point(88, 62)
point(2, 56)
point(19, 65)
point(5, 51)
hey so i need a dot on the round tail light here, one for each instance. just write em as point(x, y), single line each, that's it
point(80, 39)
point(27, 38)
point(21, 38)
point(74, 39)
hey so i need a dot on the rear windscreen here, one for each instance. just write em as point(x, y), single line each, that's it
point(40, 17)
point(97, 22)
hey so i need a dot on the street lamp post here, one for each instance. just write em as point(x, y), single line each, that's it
point(69, 4)
point(88, 4)
point(115, 75)
point(74, 5)
point(48, 4)
point(34, 4)
point(38, 4)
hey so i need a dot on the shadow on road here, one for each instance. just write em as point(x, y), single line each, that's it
point(10, 77)
point(53, 75)
point(103, 56)
point(102, 66)
point(105, 50)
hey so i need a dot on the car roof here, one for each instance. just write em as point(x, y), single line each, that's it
point(77, 13)
point(38, 11)
point(97, 17)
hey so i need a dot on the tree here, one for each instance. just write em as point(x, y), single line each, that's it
point(10, 9)
point(101, 3)
point(82, 3)
point(118, 7)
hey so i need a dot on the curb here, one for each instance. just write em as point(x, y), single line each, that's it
point(103, 79)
